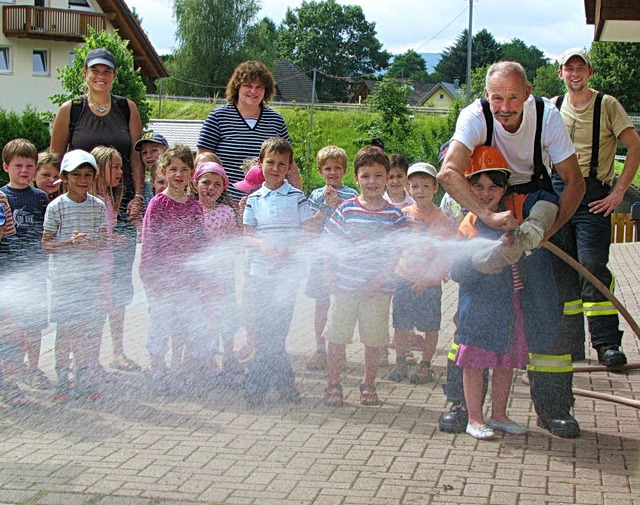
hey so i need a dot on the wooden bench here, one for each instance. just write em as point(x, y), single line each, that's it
point(622, 229)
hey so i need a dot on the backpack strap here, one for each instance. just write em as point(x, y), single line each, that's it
point(488, 119)
point(595, 138)
point(559, 101)
point(77, 104)
point(123, 104)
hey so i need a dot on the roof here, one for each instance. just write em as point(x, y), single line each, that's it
point(291, 83)
point(425, 91)
point(178, 131)
point(123, 20)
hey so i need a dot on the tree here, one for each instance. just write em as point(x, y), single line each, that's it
point(210, 35)
point(409, 65)
point(547, 83)
point(530, 57)
point(128, 80)
point(261, 42)
point(336, 39)
point(478, 80)
point(617, 71)
point(453, 64)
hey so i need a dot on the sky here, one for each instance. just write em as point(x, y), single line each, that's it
point(426, 26)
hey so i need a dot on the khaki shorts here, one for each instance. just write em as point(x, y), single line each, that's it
point(370, 312)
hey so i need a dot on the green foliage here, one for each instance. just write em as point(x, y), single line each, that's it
point(305, 144)
point(453, 64)
point(409, 65)
point(478, 80)
point(210, 38)
point(617, 71)
point(28, 126)
point(260, 42)
point(547, 82)
point(128, 81)
point(336, 39)
point(530, 57)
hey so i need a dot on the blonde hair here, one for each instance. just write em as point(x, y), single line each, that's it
point(332, 153)
point(247, 164)
point(104, 158)
point(206, 156)
point(53, 159)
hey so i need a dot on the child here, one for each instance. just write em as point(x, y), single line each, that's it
point(75, 227)
point(220, 222)
point(422, 268)
point(273, 219)
point(47, 173)
point(172, 232)
point(206, 156)
point(109, 189)
point(396, 193)
point(332, 166)
point(150, 147)
point(28, 316)
point(360, 270)
point(158, 181)
point(498, 313)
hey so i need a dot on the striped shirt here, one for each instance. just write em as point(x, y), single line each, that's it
point(64, 217)
point(277, 216)
point(228, 134)
point(365, 245)
point(316, 199)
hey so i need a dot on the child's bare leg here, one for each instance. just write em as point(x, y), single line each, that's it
point(336, 358)
point(371, 363)
point(86, 344)
point(472, 378)
point(430, 344)
point(33, 344)
point(116, 325)
point(177, 350)
point(401, 339)
point(62, 347)
point(320, 320)
point(501, 380)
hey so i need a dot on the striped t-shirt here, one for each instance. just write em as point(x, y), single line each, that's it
point(365, 243)
point(316, 199)
point(229, 135)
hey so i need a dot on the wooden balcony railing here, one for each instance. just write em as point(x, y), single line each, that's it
point(45, 23)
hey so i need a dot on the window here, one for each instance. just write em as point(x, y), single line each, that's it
point(40, 62)
point(5, 60)
point(79, 3)
point(441, 96)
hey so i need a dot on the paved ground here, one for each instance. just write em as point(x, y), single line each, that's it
point(138, 448)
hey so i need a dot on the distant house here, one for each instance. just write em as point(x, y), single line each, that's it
point(292, 84)
point(439, 95)
point(38, 36)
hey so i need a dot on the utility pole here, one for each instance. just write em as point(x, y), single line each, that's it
point(313, 94)
point(469, 52)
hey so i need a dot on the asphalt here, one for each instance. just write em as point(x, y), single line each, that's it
point(139, 447)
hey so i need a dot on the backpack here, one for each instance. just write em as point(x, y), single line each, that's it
point(595, 138)
point(77, 104)
point(540, 176)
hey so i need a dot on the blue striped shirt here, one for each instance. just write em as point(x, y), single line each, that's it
point(316, 199)
point(227, 133)
point(365, 242)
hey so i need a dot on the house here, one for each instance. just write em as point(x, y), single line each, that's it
point(38, 36)
point(439, 95)
point(292, 85)
point(614, 20)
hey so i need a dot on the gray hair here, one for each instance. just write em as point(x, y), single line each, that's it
point(506, 68)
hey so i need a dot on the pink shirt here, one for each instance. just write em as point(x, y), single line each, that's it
point(172, 232)
point(219, 222)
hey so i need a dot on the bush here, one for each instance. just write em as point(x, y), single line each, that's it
point(29, 126)
point(128, 81)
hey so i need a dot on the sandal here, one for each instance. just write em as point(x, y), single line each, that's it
point(36, 378)
point(333, 396)
point(368, 395)
point(124, 364)
point(13, 395)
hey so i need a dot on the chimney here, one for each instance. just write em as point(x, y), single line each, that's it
point(456, 83)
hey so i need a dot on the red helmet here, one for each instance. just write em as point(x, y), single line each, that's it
point(485, 159)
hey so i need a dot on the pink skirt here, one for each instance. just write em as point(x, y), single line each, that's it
point(517, 356)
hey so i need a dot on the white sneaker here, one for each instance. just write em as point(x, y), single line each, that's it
point(481, 432)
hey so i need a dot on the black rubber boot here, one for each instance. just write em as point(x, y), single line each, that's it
point(454, 421)
point(552, 398)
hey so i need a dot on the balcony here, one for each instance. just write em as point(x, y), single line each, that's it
point(26, 21)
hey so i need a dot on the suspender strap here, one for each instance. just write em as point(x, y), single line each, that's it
point(488, 119)
point(540, 171)
point(595, 139)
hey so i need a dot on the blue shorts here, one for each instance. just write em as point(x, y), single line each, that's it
point(422, 312)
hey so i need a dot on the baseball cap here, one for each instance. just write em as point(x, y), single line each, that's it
point(422, 168)
point(156, 138)
point(253, 179)
point(443, 151)
point(575, 51)
point(75, 159)
point(209, 167)
point(100, 57)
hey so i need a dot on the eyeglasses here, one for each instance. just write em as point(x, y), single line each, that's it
point(579, 68)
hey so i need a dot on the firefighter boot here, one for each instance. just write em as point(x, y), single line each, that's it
point(552, 398)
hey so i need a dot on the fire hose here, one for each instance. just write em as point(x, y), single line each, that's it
point(621, 310)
